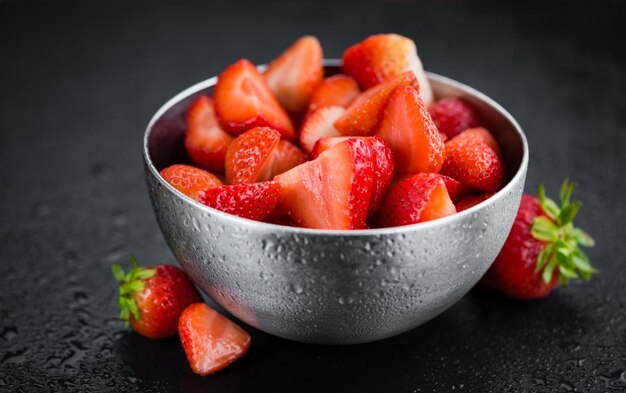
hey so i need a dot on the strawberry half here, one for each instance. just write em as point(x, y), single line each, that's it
point(206, 142)
point(319, 124)
point(383, 165)
point(189, 180)
point(286, 156)
point(474, 164)
point(337, 90)
point(210, 340)
point(294, 75)
point(418, 198)
point(249, 156)
point(408, 128)
point(454, 115)
point(152, 299)
point(362, 116)
point(482, 135)
point(455, 189)
point(332, 191)
point(471, 201)
point(543, 248)
point(244, 101)
point(381, 57)
point(254, 201)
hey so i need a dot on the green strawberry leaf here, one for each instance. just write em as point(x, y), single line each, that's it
point(131, 283)
point(562, 253)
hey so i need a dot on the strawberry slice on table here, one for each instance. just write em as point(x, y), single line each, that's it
point(383, 161)
point(255, 201)
point(243, 100)
point(480, 134)
point(471, 201)
point(474, 164)
point(408, 128)
point(333, 191)
point(210, 340)
point(454, 115)
point(319, 124)
point(543, 248)
point(249, 157)
point(206, 142)
point(337, 90)
point(152, 299)
point(381, 57)
point(295, 74)
point(362, 116)
point(417, 198)
point(189, 180)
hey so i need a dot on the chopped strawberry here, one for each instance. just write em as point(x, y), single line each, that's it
point(362, 116)
point(296, 73)
point(471, 201)
point(408, 128)
point(480, 134)
point(381, 57)
point(474, 164)
point(189, 180)
point(384, 164)
point(152, 299)
point(337, 90)
point(244, 101)
point(210, 340)
point(319, 124)
point(286, 156)
point(249, 156)
point(453, 115)
point(254, 201)
point(418, 198)
point(206, 142)
point(455, 188)
point(332, 191)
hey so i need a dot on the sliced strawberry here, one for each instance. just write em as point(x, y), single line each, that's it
point(332, 191)
point(206, 142)
point(249, 156)
point(211, 341)
point(319, 124)
point(418, 198)
point(189, 180)
point(455, 188)
point(337, 90)
point(453, 115)
point(474, 164)
point(254, 201)
point(296, 73)
point(381, 57)
point(244, 101)
point(480, 134)
point(286, 156)
point(383, 161)
point(471, 201)
point(408, 128)
point(363, 115)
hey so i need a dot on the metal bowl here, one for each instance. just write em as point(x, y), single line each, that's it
point(325, 286)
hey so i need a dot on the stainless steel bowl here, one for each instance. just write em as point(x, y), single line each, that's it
point(324, 286)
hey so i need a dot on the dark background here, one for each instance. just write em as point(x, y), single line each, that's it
point(78, 84)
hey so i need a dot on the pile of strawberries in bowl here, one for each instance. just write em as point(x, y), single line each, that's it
point(367, 148)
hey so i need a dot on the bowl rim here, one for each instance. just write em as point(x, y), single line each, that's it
point(340, 232)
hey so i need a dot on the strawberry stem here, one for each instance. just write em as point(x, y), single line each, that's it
point(130, 284)
point(563, 239)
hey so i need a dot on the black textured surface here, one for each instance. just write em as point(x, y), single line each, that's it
point(78, 83)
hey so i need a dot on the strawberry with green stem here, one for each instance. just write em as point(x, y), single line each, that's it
point(543, 248)
point(152, 299)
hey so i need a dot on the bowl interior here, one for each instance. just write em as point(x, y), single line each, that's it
point(164, 137)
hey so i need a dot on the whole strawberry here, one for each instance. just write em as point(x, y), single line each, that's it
point(542, 249)
point(152, 299)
